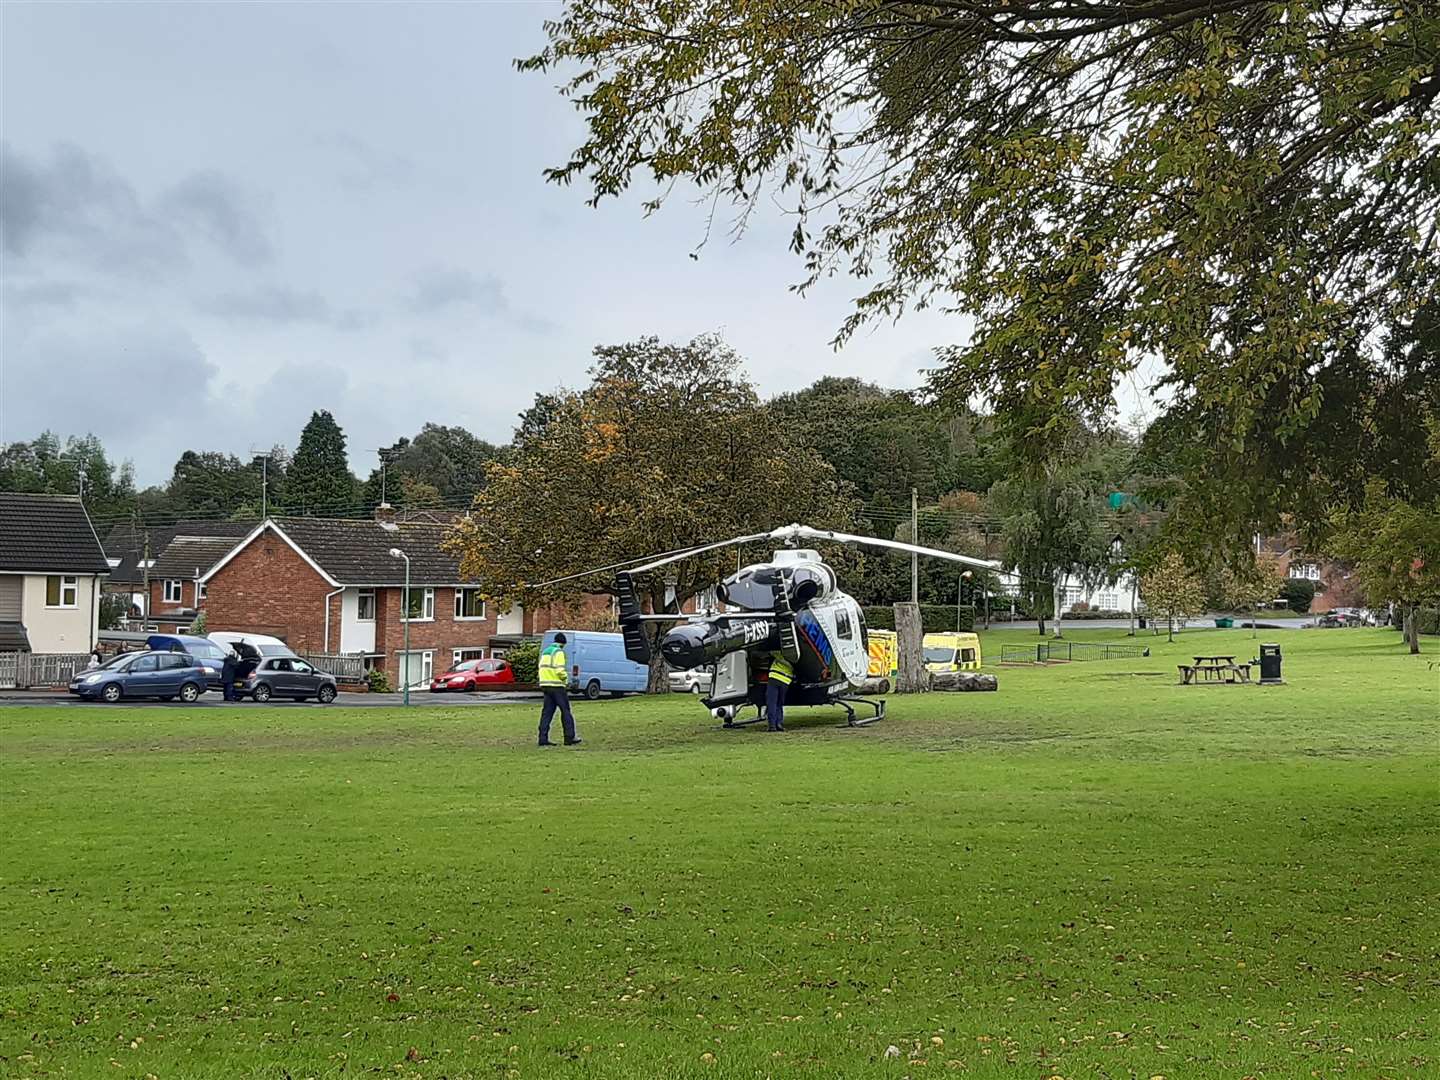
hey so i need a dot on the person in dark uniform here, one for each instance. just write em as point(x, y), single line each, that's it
point(782, 674)
point(227, 676)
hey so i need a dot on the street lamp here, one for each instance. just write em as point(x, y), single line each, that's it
point(396, 553)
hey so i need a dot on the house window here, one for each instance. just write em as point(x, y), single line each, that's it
point(421, 605)
point(1307, 571)
point(416, 668)
point(365, 605)
point(459, 656)
point(61, 591)
point(201, 591)
point(174, 590)
point(469, 604)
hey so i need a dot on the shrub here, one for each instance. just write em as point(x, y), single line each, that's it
point(1427, 621)
point(934, 618)
point(524, 660)
point(197, 628)
point(1297, 593)
point(378, 681)
point(1080, 607)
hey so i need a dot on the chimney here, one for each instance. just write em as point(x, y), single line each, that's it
point(385, 514)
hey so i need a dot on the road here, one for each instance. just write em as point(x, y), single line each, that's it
point(212, 700)
point(1206, 622)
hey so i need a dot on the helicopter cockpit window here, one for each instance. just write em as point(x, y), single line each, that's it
point(842, 625)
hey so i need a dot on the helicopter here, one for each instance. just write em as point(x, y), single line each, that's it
point(792, 605)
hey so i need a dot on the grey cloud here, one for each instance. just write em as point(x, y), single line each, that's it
point(41, 294)
point(74, 208)
point(223, 212)
point(278, 305)
point(443, 287)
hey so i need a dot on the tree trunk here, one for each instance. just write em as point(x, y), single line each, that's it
point(1055, 604)
point(1412, 629)
point(658, 681)
point(1170, 626)
point(912, 678)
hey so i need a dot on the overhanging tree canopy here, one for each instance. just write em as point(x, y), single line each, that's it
point(1244, 189)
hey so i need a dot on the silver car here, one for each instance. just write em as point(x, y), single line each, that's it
point(288, 677)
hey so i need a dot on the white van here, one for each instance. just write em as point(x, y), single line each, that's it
point(261, 643)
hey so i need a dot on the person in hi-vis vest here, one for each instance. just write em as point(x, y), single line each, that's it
point(555, 683)
point(782, 674)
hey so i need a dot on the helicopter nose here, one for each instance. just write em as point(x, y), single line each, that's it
point(685, 646)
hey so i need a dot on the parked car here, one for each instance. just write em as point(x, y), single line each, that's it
point(598, 663)
point(696, 681)
point(211, 654)
point(287, 676)
point(472, 674)
point(163, 675)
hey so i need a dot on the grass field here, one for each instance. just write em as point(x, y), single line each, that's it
point(1093, 873)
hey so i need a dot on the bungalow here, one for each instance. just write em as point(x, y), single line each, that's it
point(328, 585)
point(51, 569)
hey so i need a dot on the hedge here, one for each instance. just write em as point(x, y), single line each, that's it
point(934, 618)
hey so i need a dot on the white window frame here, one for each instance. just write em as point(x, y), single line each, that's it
point(70, 584)
point(427, 664)
point(179, 597)
point(360, 597)
point(201, 591)
point(427, 605)
point(1305, 571)
point(459, 602)
point(459, 656)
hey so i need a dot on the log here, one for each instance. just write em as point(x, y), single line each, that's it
point(912, 677)
point(876, 684)
point(964, 680)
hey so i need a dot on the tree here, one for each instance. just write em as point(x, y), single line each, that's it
point(211, 484)
point(319, 480)
point(1243, 189)
point(1298, 594)
point(76, 466)
point(1053, 520)
point(1172, 590)
point(449, 461)
point(668, 447)
point(1395, 546)
point(1243, 587)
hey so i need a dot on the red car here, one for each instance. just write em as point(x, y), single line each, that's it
point(470, 674)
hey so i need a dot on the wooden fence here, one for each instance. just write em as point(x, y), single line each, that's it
point(23, 670)
point(346, 669)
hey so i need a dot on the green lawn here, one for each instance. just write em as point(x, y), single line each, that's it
point(1093, 873)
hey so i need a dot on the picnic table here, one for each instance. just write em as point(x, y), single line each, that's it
point(1213, 669)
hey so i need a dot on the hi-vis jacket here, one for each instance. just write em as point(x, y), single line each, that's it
point(781, 670)
point(552, 668)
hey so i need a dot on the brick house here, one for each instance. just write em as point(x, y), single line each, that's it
point(177, 595)
point(331, 586)
point(1332, 578)
point(134, 550)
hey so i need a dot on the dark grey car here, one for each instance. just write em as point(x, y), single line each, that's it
point(290, 677)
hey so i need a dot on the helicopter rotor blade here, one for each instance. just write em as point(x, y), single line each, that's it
point(804, 532)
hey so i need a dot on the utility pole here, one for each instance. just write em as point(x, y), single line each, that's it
point(914, 539)
point(145, 577)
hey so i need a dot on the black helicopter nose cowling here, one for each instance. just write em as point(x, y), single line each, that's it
point(692, 644)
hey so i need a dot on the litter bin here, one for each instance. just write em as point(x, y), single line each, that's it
point(1142, 622)
point(1224, 623)
point(1270, 665)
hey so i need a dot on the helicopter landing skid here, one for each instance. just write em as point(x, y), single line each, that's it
point(876, 705)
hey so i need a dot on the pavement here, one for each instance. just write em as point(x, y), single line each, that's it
point(1206, 622)
point(212, 700)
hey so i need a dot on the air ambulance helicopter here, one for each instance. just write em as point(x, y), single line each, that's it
point(791, 605)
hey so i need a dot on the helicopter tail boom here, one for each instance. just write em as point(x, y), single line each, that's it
point(632, 623)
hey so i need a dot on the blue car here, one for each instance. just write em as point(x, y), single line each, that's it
point(163, 675)
point(211, 654)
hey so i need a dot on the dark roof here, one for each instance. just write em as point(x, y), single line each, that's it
point(191, 556)
point(13, 637)
point(357, 552)
point(127, 542)
point(48, 533)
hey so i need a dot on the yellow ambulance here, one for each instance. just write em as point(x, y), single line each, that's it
point(884, 655)
point(952, 652)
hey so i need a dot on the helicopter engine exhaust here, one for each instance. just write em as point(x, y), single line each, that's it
point(692, 644)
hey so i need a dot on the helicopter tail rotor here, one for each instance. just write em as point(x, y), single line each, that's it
point(632, 626)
